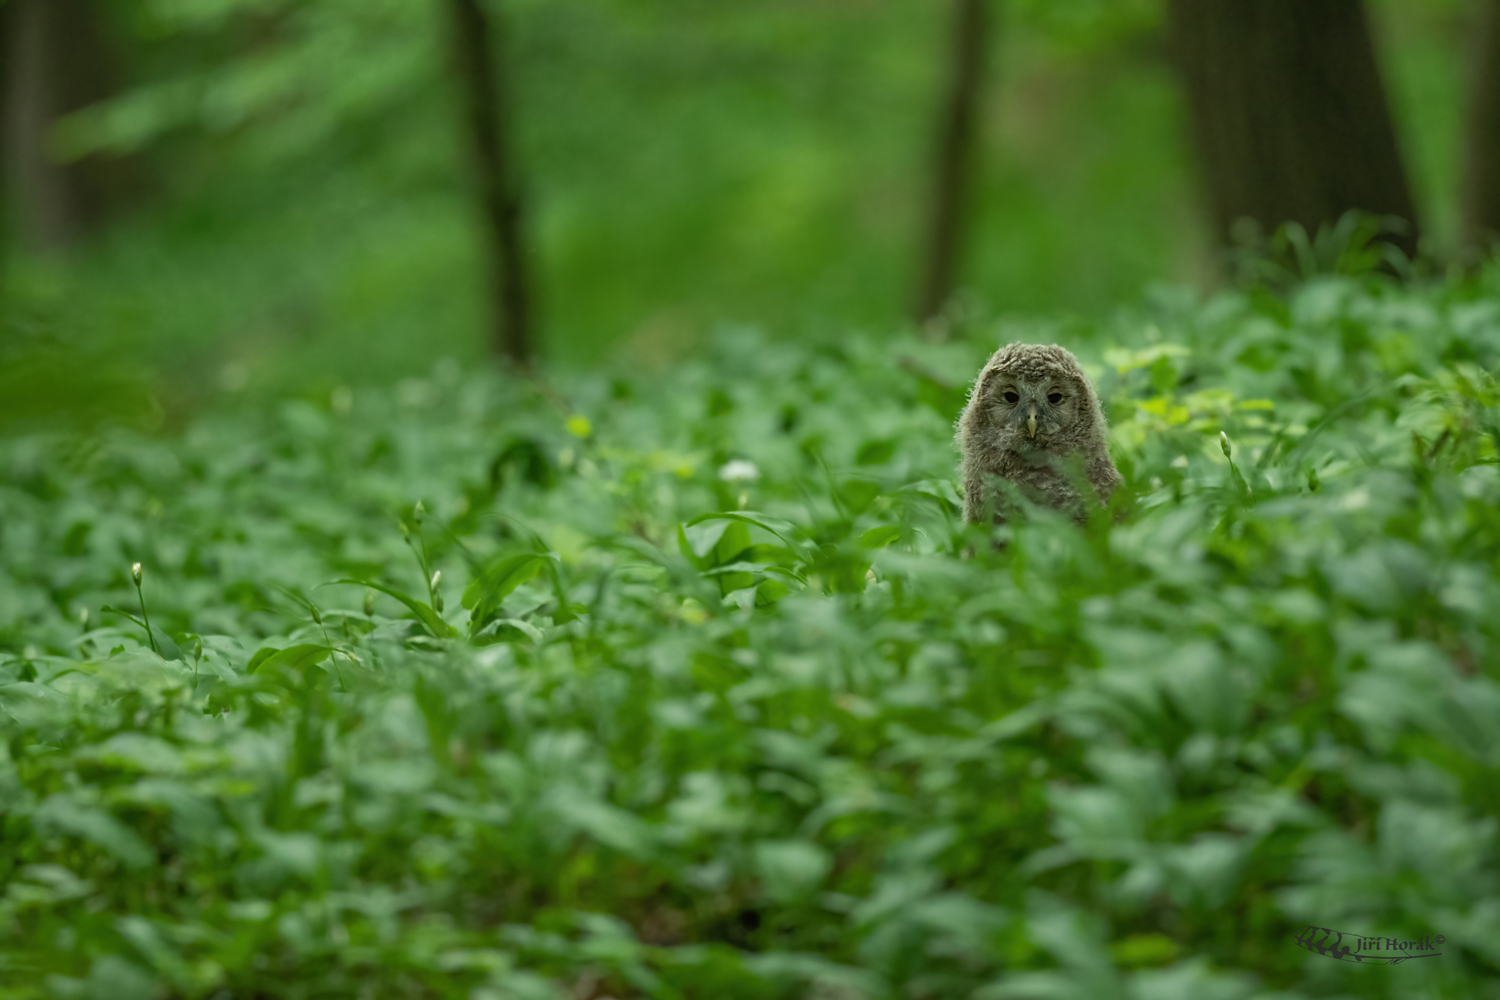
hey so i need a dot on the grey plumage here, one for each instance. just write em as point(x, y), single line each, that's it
point(1033, 419)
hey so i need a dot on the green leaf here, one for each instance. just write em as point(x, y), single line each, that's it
point(843, 569)
point(875, 452)
point(298, 657)
point(788, 532)
point(616, 828)
point(1144, 950)
point(790, 869)
point(261, 656)
point(733, 545)
point(98, 827)
point(880, 537)
point(429, 618)
point(858, 495)
point(698, 537)
point(768, 592)
point(1164, 377)
point(510, 630)
point(111, 609)
point(166, 646)
point(487, 591)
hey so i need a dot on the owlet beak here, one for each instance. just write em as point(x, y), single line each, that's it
point(1031, 423)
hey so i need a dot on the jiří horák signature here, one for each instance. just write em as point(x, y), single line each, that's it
point(1367, 949)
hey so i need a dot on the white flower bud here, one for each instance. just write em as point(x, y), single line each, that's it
point(738, 470)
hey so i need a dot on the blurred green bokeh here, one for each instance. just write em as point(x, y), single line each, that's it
point(305, 219)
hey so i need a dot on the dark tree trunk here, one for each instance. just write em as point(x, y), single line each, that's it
point(487, 117)
point(7, 185)
point(56, 59)
point(48, 210)
point(953, 155)
point(1479, 206)
point(1289, 113)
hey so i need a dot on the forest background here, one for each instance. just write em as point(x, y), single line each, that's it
point(242, 195)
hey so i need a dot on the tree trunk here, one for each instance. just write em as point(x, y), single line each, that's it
point(488, 123)
point(953, 155)
point(1288, 113)
point(48, 213)
point(1479, 206)
point(56, 59)
point(7, 186)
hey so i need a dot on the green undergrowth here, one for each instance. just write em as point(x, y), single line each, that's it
point(697, 686)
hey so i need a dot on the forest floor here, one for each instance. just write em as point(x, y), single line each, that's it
point(685, 687)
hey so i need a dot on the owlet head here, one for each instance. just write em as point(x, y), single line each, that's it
point(1029, 396)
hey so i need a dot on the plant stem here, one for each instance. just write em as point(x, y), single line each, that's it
point(150, 636)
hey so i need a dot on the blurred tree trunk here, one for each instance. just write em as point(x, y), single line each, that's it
point(56, 59)
point(480, 76)
point(7, 195)
point(1289, 113)
point(953, 155)
point(1479, 205)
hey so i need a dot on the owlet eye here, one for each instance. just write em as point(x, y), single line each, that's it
point(1054, 398)
point(1011, 397)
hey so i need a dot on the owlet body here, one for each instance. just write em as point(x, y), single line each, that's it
point(1033, 419)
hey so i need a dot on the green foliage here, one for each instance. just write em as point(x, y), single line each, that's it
point(685, 164)
point(709, 692)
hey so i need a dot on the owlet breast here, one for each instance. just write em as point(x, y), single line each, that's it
point(1033, 420)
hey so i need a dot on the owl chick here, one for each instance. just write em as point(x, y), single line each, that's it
point(1031, 416)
